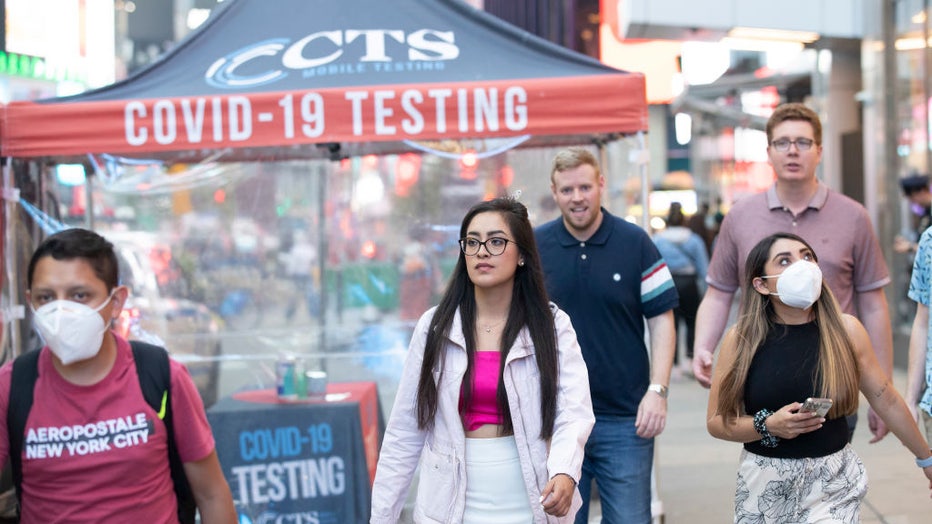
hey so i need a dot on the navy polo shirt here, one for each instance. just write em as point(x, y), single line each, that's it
point(608, 285)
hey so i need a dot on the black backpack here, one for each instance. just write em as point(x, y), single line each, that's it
point(154, 372)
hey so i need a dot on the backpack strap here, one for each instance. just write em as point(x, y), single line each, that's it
point(154, 372)
point(22, 384)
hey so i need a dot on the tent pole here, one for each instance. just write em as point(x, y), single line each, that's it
point(606, 168)
point(603, 155)
point(88, 202)
point(323, 173)
point(11, 328)
point(641, 159)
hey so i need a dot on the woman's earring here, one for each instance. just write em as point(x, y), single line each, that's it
point(521, 263)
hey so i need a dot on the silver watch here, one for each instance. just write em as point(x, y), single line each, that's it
point(659, 389)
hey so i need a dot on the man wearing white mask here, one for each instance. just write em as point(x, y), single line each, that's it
point(93, 449)
point(834, 224)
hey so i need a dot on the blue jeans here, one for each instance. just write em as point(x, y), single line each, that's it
point(620, 462)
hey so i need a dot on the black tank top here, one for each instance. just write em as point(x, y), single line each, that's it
point(783, 371)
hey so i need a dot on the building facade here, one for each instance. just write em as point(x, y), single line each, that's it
point(863, 65)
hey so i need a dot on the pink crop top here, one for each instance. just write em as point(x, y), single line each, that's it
point(483, 408)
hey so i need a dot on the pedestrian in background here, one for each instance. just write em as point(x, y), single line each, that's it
point(87, 379)
point(301, 266)
point(916, 191)
point(685, 254)
point(918, 392)
point(416, 282)
point(494, 397)
point(701, 224)
point(797, 202)
point(608, 275)
point(792, 342)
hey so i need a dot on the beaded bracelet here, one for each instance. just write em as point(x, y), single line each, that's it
point(760, 425)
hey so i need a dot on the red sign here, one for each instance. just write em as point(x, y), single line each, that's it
point(552, 106)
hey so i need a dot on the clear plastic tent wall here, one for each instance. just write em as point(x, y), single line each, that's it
point(293, 184)
point(232, 265)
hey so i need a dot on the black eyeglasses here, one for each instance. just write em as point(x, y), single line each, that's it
point(495, 246)
point(783, 144)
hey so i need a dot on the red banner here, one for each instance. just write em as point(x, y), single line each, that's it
point(551, 106)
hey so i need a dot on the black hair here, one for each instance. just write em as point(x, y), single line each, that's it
point(530, 307)
point(79, 243)
point(913, 184)
point(675, 216)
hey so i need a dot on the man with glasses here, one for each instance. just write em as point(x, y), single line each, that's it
point(839, 227)
point(608, 275)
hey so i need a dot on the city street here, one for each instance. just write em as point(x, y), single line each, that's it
point(288, 179)
point(697, 472)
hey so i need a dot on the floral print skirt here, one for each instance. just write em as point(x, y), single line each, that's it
point(819, 489)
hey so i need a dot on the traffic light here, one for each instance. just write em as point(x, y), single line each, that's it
point(469, 161)
point(407, 170)
point(506, 175)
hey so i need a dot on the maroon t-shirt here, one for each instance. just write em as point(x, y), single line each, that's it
point(836, 226)
point(99, 453)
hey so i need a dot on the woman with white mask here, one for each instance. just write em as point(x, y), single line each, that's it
point(791, 353)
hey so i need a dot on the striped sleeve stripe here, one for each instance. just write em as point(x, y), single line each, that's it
point(655, 281)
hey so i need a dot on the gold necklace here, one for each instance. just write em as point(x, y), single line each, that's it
point(488, 327)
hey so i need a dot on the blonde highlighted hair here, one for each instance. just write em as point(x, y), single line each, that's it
point(837, 371)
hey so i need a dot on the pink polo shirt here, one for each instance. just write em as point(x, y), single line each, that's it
point(836, 226)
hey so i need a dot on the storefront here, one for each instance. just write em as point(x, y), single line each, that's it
point(897, 63)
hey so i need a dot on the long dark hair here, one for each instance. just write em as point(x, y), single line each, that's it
point(529, 307)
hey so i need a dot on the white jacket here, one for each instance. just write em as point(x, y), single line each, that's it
point(442, 488)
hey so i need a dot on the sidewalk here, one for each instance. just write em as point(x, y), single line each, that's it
point(696, 473)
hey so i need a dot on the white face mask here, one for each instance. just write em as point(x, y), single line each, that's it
point(800, 285)
point(71, 330)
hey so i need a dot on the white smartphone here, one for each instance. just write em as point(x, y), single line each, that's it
point(817, 404)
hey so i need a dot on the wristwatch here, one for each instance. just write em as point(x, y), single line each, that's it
point(659, 389)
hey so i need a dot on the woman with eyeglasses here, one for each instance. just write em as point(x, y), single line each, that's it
point(494, 399)
point(792, 342)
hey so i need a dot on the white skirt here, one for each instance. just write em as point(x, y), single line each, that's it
point(495, 490)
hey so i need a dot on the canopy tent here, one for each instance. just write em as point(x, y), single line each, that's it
point(273, 77)
point(266, 81)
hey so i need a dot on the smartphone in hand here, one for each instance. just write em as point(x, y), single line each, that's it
point(817, 404)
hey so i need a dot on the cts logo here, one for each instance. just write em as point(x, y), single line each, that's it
point(304, 517)
point(270, 60)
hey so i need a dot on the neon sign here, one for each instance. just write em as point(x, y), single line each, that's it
point(15, 64)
